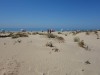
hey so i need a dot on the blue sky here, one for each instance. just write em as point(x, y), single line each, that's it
point(50, 13)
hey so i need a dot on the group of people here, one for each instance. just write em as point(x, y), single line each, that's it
point(50, 30)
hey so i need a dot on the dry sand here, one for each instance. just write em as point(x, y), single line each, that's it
point(32, 57)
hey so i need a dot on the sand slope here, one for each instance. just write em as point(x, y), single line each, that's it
point(32, 57)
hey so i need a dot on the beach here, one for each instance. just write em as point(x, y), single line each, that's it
point(56, 53)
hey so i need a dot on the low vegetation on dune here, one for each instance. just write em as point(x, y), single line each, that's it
point(65, 34)
point(6, 34)
point(75, 32)
point(42, 33)
point(34, 33)
point(96, 33)
point(87, 33)
point(59, 38)
point(59, 33)
point(19, 41)
point(19, 34)
point(83, 45)
point(39, 33)
point(49, 35)
point(49, 44)
point(14, 36)
point(55, 49)
point(76, 39)
point(29, 33)
point(87, 62)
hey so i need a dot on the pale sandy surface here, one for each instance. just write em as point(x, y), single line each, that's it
point(32, 57)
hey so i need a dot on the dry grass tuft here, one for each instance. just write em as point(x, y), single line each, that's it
point(81, 44)
point(19, 41)
point(87, 62)
point(19, 34)
point(76, 39)
point(34, 33)
point(59, 33)
point(96, 33)
point(55, 49)
point(65, 34)
point(87, 33)
point(74, 33)
point(42, 33)
point(60, 38)
point(22, 34)
point(49, 44)
point(51, 35)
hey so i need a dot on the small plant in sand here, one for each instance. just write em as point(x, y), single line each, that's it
point(49, 35)
point(96, 32)
point(60, 38)
point(55, 49)
point(87, 62)
point(19, 41)
point(98, 37)
point(49, 44)
point(74, 33)
point(10, 34)
point(87, 33)
point(59, 33)
point(76, 39)
point(4, 43)
point(65, 34)
point(81, 43)
point(34, 33)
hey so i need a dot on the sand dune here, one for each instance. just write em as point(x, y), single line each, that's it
point(30, 55)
